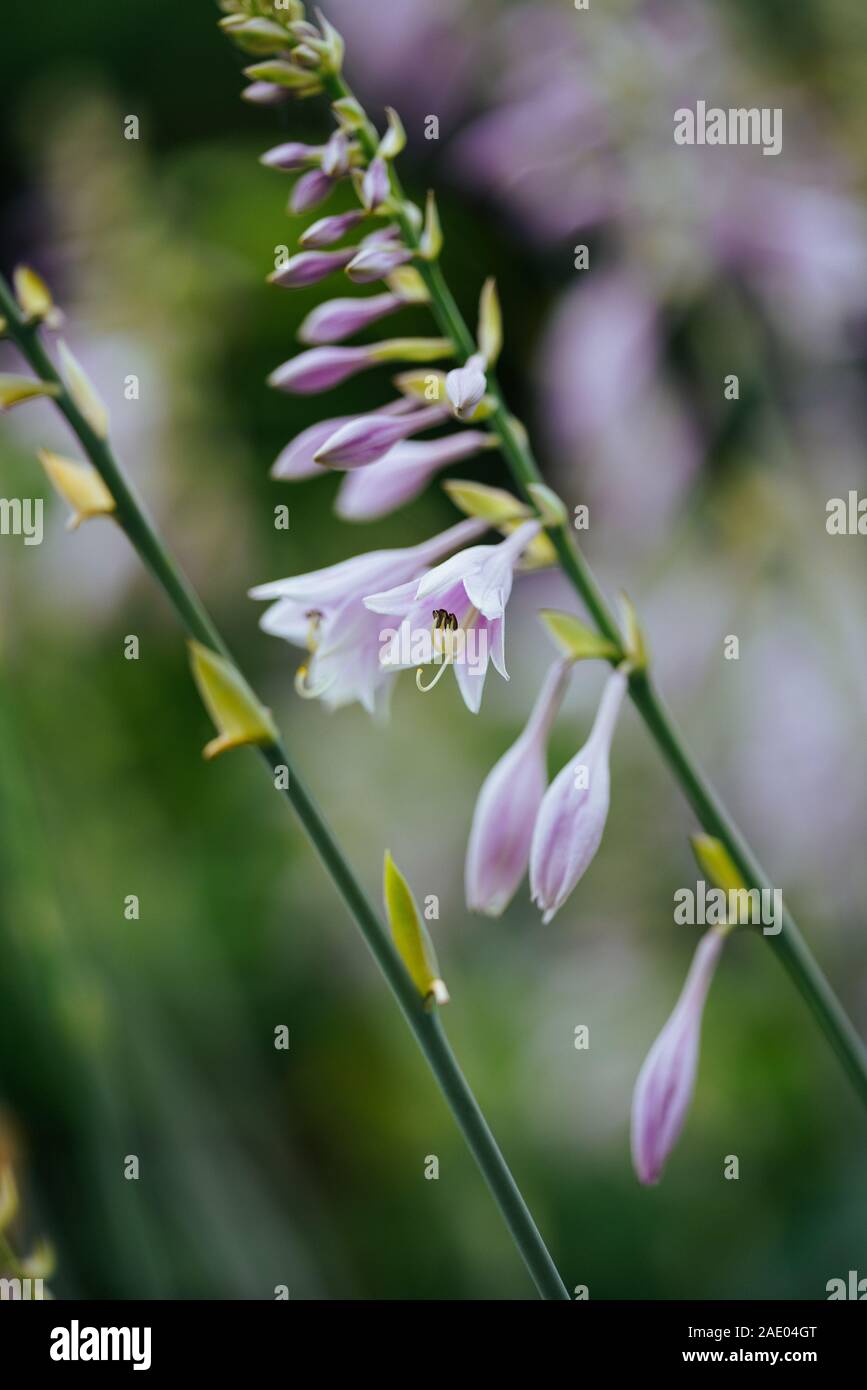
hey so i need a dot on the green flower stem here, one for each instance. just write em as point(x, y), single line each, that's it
point(788, 944)
point(133, 518)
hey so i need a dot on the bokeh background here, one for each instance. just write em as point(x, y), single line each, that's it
point(155, 1037)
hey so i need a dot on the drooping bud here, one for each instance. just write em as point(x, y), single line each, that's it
point(377, 260)
point(466, 386)
point(308, 268)
point(571, 819)
point(83, 392)
point(490, 334)
point(235, 710)
point(431, 241)
point(337, 155)
point(80, 485)
point(292, 155)
point(329, 229)
point(320, 369)
point(298, 459)
point(411, 938)
point(342, 318)
point(258, 36)
point(362, 441)
point(34, 298)
point(498, 851)
point(664, 1089)
point(375, 185)
point(265, 94)
point(311, 189)
point(15, 390)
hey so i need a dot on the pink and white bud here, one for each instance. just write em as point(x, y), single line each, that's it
point(664, 1089)
point(376, 260)
point(376, 185)
point(320, 369)
point(298, 459)
point(311, 189)
point(571, 819)
point(335, 156)
point(499, 846)
point(466, 386)
point(308, 268)
point(266, 94)
point(369, 493)
point(369, 438)
point(291, 156)
point(329, 229)
point(342, 318)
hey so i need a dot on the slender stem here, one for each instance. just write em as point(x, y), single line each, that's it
point(788, 944)
point(425, 1025)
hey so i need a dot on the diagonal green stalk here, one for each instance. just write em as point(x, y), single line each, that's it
point(425, 1024)
point(789, 945)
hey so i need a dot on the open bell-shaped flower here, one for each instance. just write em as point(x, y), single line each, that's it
point(325, 613)
point(572, 817)
point(466, 596)
point(664, 1089)
point(498, 851)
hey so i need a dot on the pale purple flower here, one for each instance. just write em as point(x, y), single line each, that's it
point(368, 438)
point(405, 471)
point(324, 612)
point(473, 587)
point(466, 386)
point(572, 817)
point(376, 185)
point(341, 318)
point(298, 459)
point(377, 260)
point(311, 189)
point(498, 851)
point(320, 369)
point(291, 156)
point(329, 229)
point(335, 156)
point(309, 267)
point(664, 1089)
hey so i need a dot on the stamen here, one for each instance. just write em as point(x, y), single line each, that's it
point(307, 691)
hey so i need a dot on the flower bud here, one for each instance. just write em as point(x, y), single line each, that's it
point(311, 189)
point(664, 1089)
point(499, 846)
point(308, 268)
point(34, 298)
point(320, 369)
point(291, 156)
point(376, 185)
point(336, 155)
point(572, 817)
point(342, 318)
point(328, 230)
point(258, 36)
point(363, 441)
point(299, 82)
point(376, 260)
point(466, 386)
point(404, 472)
point(265, 94)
